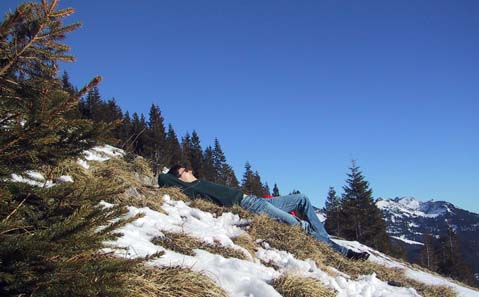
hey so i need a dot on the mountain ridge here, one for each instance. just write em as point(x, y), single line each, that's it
point(409, 220)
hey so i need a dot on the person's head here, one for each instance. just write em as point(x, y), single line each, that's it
point(182, 173)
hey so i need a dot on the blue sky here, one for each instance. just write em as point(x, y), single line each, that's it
point(300, 88)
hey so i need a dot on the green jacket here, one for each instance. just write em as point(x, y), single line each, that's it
point(220, 194)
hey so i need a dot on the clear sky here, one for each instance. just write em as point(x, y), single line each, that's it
point(300, 88)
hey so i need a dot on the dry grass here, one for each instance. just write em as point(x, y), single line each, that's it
point(211, 207)
point(185, 244)
point(171, 282)
point(282, 236)
point(116, 169)
point(296, 286)
point(245, 241)
point(141, 166)
point(174, 193)
point(295, 241)
point(141, 197)
point(176, 281)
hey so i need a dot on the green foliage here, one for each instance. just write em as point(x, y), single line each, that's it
point(275, 191)
point(428, 258)
point(451, 262)
point(196, 155)
point(223, 171)
point(156, 138)
point(51, 239)
point(360, 218)
point(251, 182)
point(333, 213)
point(173, 149)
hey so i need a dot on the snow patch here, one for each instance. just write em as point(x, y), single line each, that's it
point(404, 239)
point(239, 277)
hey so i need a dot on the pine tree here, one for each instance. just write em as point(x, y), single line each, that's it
point(173, 149)
point(276, 191)
point(361, 219)
point(247, 183)
point(258, 188)
point(428, 257)
point(112, 111)
point(139, 127)
point(50, 241)
point(207, 165)
point(451, 262)
point(112, 114)
point(229, 177)
point(93, 105)
point(186, 145)
point(224, 172)
point(251, 183)
point(155, 138)
point(125, 131)
point(219, 161)
point(333, 213)
point(266, 190)
point(196, 155)
point(67, 85)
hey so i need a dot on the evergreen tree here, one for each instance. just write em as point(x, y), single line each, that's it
point(112, 111)
point(266, 190)
point(186, 145)
point(173, 149)
point(247, 183)
point(196, 155)
point(224, 172)
point(428, 257)
point(451, 262)
point(138, 138)
point(219, 161)
point(275, 191)
point(229, 176)
point(333, 213)
point(294, 192)
point(93, 105)
point(126, 133)
point(258, 188)
point(361, 219)
point(114, 115)
point(251, 182)
point(155, 146)
point(50, 241)
point(207, 165)
point(66, 84)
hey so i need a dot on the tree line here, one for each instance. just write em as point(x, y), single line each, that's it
point(149, 138)
point(443, 255)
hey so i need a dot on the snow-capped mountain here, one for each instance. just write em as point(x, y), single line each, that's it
point(409, 219)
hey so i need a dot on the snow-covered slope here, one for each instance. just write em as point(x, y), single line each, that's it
point(248, 277)
point(238, 277)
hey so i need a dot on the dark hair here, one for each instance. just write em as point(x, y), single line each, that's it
point(174, 170)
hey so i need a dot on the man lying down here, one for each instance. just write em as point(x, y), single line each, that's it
point(276, 208)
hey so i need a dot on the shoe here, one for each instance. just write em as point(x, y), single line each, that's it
point(357, 255)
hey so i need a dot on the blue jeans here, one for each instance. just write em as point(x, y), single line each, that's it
point(279, 208)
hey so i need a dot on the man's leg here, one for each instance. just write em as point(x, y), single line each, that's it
point(261, 205)
point(301, 204)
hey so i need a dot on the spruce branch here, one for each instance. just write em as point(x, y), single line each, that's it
point(16, 208)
